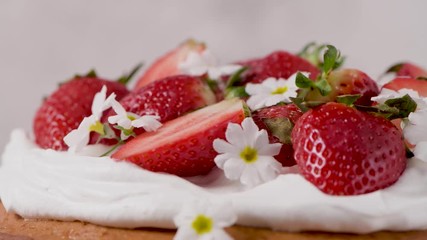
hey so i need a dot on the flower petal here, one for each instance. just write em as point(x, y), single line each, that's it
point(250, 176)
point(235, 135)
point(150, 123)
point(222, 146)
point(233, 168)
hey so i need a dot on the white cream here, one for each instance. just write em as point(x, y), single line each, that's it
point(38, 183)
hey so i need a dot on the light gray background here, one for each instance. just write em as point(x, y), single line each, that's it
point(45, 42)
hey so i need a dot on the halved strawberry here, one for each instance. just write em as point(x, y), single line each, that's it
point(419, 85)
point(183, 146)
point(343, 151)
point(407, 69)
point(167, 65)
point(63, 111)
point(279, 120)
point(279, 64)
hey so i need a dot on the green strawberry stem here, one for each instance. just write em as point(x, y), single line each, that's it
point(121, 142)
point(126, 78)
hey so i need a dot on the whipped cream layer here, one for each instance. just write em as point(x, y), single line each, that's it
point(36, 183)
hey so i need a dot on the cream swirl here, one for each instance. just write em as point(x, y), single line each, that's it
point(38, 183)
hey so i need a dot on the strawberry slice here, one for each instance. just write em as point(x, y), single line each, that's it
point(167, 65)
point(419, 85)
point(407, 69)
point(183, 146)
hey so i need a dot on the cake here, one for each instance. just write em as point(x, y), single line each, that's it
point(151, 157)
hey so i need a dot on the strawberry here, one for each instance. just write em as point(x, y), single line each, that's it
point(343, 151)
point(419, 85)
point(63, 111)
point(167, 65)
point(168, 98)
point(407, 70)
point(279, 64)
point(278, 121)
point(183, 146)
point(347, 82)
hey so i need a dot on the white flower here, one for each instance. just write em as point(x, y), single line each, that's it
point(204, 220)
point(415, 126)
point(197, 64)
point(247, 155)
point(78, 138)
point(128, 120)
point(271, 91)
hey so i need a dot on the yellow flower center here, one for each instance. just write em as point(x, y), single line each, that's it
point(249, 154)
point(97, 127)
point(131, 117)
point(280, 90)
point(202, 224)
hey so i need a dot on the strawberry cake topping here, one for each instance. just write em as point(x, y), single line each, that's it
point(242, 128)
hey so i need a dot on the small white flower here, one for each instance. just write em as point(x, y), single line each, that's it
point(204, 220)
point(197, 64)
point(128, 120)
point(79, 138)
point(415, 126)
point(271, 91)
point(247, 155)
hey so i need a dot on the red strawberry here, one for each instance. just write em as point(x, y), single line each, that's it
point(183, 146)
point(278, 121)
point(407, 70)
point(168, 98)
point(167, 65)
point(419, 85)
point(279, 64)
point(348, 81)
point(63, 111)
point(343, 151)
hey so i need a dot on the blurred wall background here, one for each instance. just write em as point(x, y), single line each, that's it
point(45, 42)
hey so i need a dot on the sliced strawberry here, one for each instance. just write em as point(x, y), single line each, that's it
point(183, 146)
point(167, 65)
point(279, 64)
point(407, 70)
point(348, 82)
point(419, 85)
point(63, 111)
point(343, 151)
point(278, 121)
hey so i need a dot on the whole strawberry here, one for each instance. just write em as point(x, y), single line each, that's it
point(279, 121)
point(343, 151)
point(348, 82)
point(63, 111)
point(279, 64)
point(168, 98)
point(407, 69)
point(417, 84)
